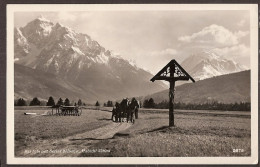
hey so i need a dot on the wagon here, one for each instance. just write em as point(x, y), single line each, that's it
point(66, 110)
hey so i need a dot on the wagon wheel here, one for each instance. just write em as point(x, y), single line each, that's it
point(64, 112)
point(79, 111)
point(60, 111)
point(72, 112)
point(75, 111)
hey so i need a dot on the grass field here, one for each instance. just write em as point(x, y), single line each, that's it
point(196, 133)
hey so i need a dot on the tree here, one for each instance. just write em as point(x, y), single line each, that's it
point(97, 104)
point(60, 102)
point(21, 102)
point(79, 102)
point(67, 102)
point(35, 102)
point(105, 104)
point(164, 105)
point(109, 103)
point(51, 101)
point(151, 103)
point(146, 103)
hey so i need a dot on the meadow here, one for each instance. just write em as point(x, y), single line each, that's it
point(195, 134)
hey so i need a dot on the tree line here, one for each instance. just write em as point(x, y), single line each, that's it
point(36, 102)
point(148, 103)
point(108, 104)
point(214, 105)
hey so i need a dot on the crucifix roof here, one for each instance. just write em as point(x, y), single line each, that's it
point(172, 67)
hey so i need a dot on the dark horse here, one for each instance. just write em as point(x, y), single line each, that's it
point(116, 112)
point(120, 110)
point(133, 109)
point(123, 107)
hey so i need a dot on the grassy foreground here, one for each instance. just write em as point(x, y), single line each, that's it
point(30, 129)
point(197, 133)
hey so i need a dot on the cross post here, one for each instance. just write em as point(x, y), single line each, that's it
point(167, 74)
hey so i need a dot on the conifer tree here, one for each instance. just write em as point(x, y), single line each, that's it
point(67, 102)
point(60, 101)
point(79, 102)
point(97, 104)
point(51, 101)
point(35, 102)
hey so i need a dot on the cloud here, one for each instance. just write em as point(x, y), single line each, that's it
point(241, 23)
point(241, 34)
point(214, 36)
point(155, 60)
point(66, 16)
point(234, 52)
point(166, 52)
point(239, 53)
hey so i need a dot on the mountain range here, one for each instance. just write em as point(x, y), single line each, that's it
point(54, 60)
point(49, 56)
point(229, 88)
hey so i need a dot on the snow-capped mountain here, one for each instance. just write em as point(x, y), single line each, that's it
point(80, 60)
point(55, 48)
point(207, 64)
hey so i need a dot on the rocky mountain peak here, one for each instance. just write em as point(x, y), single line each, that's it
point(42, 18)
point(207, 64)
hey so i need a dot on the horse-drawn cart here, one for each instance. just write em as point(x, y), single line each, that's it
point(125, 111)
point(66, 110)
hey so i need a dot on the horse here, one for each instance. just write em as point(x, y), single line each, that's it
point(123, 107)
point(116, 112)
point(133, 109)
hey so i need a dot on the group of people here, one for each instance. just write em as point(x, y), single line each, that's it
point(126, 109)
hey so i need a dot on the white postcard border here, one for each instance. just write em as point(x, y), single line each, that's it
point(11, 159)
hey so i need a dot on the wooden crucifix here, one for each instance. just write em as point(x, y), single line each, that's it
point(172, 72)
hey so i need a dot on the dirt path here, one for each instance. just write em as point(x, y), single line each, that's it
point(105, 132)
point(72, 146)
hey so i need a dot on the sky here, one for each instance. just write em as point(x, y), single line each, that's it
point(152, 38)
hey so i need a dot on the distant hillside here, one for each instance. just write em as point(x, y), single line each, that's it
point(31, 83)
point(228, 88)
